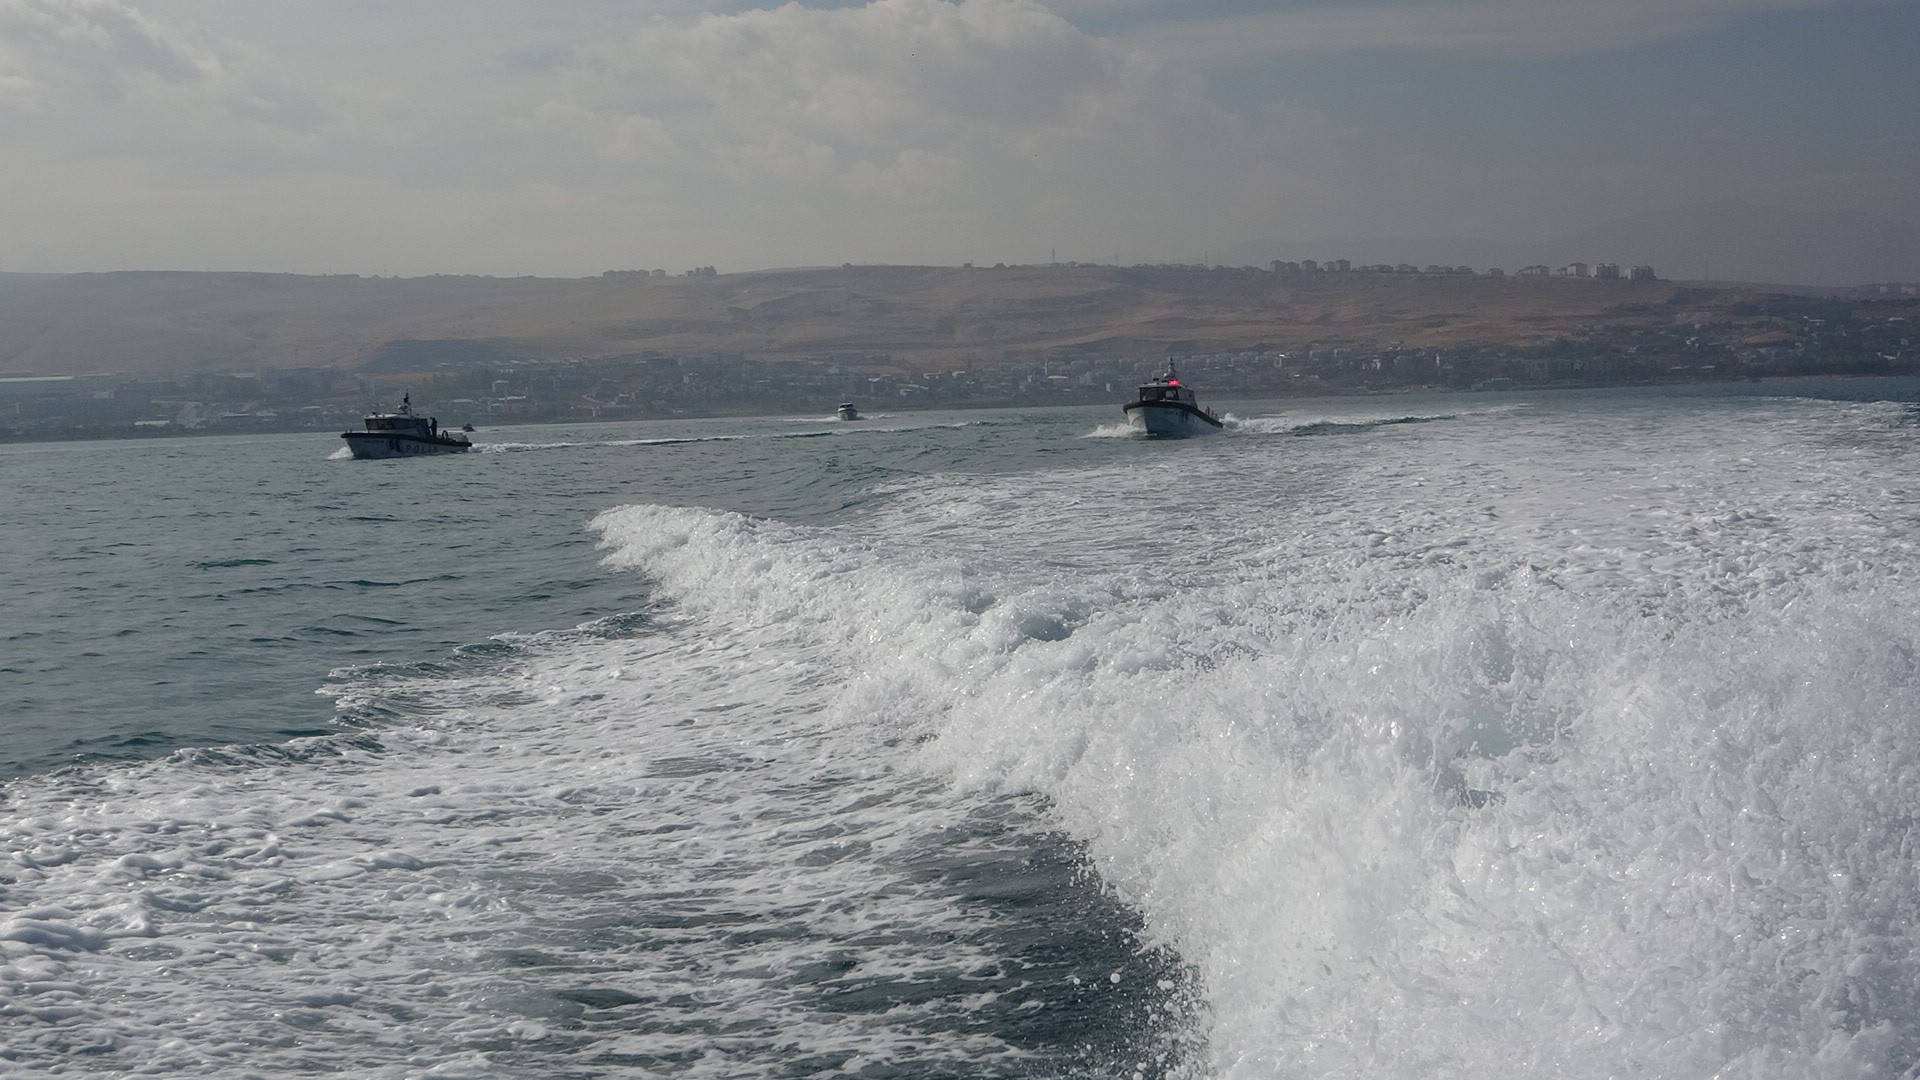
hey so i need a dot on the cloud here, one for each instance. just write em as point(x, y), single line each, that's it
point(906, 130)
point(1231, 35)
point(913, 176)
point(900, 96)
point(105, 61)
point(105, 42)
point(574, 135)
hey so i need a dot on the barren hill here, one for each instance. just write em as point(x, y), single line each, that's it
point(151, 322)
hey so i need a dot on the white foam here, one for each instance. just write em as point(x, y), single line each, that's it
point(833, 428)
point(1680, 660)
point(523, 447)
point(1682, 657)
point(357, 906)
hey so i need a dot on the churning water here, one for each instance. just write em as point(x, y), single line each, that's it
point(1491, 735)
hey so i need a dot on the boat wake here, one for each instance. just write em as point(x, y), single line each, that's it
point(1577, 750)
point(838, 431)
point(1294, 425)
point(1289, 425)
point(1534, 785)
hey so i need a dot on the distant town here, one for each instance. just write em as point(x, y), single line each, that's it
point(1801, 335)
point(1599, 271)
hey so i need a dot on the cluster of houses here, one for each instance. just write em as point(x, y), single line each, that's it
point(1599, 271)
point(619, 275)
point(1602, 271)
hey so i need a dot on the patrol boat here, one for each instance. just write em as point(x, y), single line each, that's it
point(402, 434)
point(1165, 408)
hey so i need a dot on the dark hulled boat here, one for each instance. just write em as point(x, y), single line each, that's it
point(402, 434)
point(1166, 408)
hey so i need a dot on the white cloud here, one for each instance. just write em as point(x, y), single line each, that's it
point(105, 42)
point(1524, 27)
point(783, 156)
point(889, 89)
point(623, 140)
point(136, 79)
point(571, 136)
point(901, 130)
point(913, 176)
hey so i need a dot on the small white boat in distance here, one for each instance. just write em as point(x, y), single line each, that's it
point(1165, 408)
point(402, 434)
point(847, 411)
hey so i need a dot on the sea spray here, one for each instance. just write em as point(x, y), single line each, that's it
point(1572, 740)
point(1457, 795)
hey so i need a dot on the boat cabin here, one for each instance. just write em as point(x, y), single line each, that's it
point(399, 422)
point(1164, 407)
point(1166, 391)
point(405, 422)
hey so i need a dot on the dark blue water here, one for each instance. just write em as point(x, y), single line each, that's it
point(187, 592)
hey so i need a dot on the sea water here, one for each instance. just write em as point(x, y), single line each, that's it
point(1520, 735)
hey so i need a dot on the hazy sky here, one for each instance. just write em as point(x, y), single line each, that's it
point(566, 137)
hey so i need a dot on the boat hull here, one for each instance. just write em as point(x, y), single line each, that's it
point(394, 444)
point(1169, 419)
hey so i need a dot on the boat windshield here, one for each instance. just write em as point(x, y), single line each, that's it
point(395, 423)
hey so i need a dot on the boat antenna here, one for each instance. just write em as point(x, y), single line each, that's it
point(406, 403)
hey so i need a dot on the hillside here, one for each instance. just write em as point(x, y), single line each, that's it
point(912, 317)
point(1729, 240)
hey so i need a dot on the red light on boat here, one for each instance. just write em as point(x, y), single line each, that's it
point(1173, 382)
